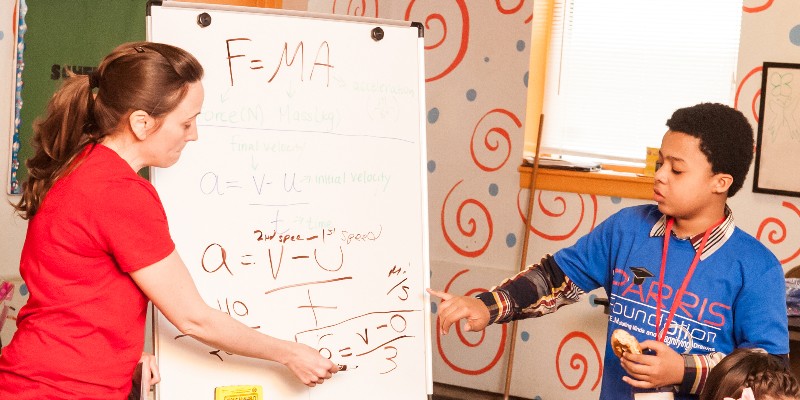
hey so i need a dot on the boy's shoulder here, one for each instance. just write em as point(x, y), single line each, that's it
point(647, 214)
point(747, 246)
point(740, 247)
point(629, 223)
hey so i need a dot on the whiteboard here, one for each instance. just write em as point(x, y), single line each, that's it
point(301, 210)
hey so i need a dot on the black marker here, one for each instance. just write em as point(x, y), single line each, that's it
point(346, 367)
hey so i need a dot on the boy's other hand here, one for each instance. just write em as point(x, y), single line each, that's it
point(454, 308)
point(662, 367)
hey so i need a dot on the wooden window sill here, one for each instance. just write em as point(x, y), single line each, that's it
point(610, 181)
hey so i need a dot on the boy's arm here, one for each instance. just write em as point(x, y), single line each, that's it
point(695, 371)
point(660, 366)
point(538, 290)
point(649, 371)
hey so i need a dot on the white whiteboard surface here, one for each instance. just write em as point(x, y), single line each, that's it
point(301, 210)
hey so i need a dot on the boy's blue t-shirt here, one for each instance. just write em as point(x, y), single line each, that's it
point(735, 298)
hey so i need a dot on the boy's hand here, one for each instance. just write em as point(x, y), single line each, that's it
point(646, 371)
point(454, 308)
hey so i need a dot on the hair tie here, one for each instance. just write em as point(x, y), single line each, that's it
point(747, 394)
point(94, 80)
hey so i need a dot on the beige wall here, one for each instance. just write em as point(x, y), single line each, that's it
point(12, 229)
point(475, 67)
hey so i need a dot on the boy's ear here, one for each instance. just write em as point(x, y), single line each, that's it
point(721, 182)
point(140, 122)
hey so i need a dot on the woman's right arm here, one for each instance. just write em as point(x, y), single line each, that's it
point(170, 287)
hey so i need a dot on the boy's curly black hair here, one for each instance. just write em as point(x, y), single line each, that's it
point(726, 138)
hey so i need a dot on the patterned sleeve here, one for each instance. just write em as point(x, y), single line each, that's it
point(695, 371)
point(696, 368)
point(538, 290)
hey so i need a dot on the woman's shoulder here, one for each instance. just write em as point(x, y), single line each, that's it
point(103, 164)
point(103, 175)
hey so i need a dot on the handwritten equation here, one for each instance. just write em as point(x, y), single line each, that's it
point(368, 339)
point(371, 341)
point(213, 183)
point(244, 56)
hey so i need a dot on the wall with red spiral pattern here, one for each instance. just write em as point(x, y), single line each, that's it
point(476, 73)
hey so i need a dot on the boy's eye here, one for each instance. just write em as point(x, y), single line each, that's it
point(659, 164)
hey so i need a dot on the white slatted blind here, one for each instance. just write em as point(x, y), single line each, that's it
point(617, 69)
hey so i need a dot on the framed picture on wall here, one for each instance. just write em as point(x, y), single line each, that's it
point(778, 143)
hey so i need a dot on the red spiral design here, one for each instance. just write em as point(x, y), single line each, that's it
point(557, 214)
point(462, 49)
point(358, 10)
point(772, 234)
point(500, 348)
point(756, 9)
point(511, 10)
point(493, 145)
point(439, 18)
point(757, 94)
point(576, 358)
point(471, 222)
point(754, 105)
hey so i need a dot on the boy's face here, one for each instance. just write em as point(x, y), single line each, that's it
point(684, 184)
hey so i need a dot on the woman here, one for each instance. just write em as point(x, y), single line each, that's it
point(98, 245)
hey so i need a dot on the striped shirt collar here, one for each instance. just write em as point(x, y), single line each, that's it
point(716, 239)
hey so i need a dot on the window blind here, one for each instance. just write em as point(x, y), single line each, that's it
point(617, 69)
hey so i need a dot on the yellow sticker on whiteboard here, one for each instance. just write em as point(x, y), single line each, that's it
point(239, 392)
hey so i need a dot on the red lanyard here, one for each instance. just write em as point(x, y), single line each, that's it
point(677, 300)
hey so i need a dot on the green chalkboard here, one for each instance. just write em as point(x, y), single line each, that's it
point(67, 35)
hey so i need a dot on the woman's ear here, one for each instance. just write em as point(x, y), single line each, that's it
point(141, 123)
point(721, 183)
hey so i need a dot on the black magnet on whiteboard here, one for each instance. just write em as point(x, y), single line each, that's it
point(204, 20)
point(377, 34)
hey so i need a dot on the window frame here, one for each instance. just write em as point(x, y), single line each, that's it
point(622, 179)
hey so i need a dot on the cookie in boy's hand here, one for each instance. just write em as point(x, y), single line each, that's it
point(622, 341)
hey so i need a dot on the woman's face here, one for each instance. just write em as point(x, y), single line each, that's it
point(178, 127)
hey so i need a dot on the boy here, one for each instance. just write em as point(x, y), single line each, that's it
point(680, 276)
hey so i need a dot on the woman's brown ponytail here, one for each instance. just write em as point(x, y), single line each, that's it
point(135, 76)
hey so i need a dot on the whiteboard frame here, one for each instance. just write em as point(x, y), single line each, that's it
point(425, 234)
point(275, 11)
